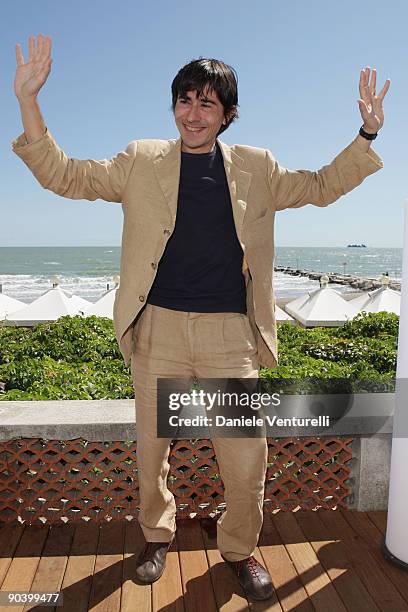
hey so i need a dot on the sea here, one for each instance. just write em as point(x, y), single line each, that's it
point(28, 272)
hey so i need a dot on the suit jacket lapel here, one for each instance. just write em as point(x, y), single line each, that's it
point(167, 168)
point(238, 183)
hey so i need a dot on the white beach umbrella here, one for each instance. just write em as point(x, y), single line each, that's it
point(383, 299)
point(323, 307)
point(104, 306)
point(78, 304)
point(8, 305)
point(282, 316)
point(50, 306)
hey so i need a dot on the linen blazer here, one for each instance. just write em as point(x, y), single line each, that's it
point(144, 179)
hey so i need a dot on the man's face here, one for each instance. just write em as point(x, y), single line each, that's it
point(198, 120)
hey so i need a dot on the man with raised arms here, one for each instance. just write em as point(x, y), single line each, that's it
point(196, 294)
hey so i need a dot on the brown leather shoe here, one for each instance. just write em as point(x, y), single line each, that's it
point(152, 561)
point(253, 577)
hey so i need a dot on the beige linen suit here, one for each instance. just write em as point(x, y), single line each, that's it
point(145, 179)
point(166, 343)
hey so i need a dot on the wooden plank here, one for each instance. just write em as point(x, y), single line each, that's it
point(77, 581)
point(27, 555)
point(107, 578)
point(345, 543)
point(312, 574)
point(372, 536)
point(9, 538)
point(195, 573)
point(168, 590)
point(332, 554)
point(134, 596)
point(53, 562)
point(376, 582)
point(379, 518)
point(228, 593)
point(289, 588)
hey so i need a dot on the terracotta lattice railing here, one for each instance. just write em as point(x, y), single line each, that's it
point(51, 481)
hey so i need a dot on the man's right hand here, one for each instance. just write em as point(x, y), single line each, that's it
point(31, 75)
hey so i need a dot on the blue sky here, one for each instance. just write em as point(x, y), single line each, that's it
point(298, 65)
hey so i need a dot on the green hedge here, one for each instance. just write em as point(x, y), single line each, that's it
point(78, 358)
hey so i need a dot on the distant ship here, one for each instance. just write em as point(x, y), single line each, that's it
point(357, 245)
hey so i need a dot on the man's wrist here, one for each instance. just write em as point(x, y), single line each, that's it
point(27, 102)
point(363, 143)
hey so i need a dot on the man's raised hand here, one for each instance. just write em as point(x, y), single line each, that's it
point(371, 104)
point(31, 75)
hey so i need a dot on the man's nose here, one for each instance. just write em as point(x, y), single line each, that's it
point(193, 113)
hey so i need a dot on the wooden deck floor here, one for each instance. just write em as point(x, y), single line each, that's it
point(328, 561)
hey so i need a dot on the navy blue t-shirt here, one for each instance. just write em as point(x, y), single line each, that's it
point(201, 267)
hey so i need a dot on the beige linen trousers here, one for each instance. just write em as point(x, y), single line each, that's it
point(187, 345)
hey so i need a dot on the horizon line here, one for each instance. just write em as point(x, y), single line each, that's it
point(118, 246)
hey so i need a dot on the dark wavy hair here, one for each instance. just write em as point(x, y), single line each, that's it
point(201, 73)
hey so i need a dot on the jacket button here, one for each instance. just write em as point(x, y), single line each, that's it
point(167, 232)
point(142, 298)
point(154, 265)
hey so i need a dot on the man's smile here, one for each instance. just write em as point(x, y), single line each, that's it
point(193, 129)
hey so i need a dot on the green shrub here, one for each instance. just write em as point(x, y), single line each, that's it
point(369, 325)
point(72, 358)
point(78, 358)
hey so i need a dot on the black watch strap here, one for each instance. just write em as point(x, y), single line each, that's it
point(366, 135)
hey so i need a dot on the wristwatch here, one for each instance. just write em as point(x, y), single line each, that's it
point(366, 135)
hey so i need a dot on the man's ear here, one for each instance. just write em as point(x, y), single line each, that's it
point(228, 115)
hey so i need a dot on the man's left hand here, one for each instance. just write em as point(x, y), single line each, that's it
point(371, 104)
